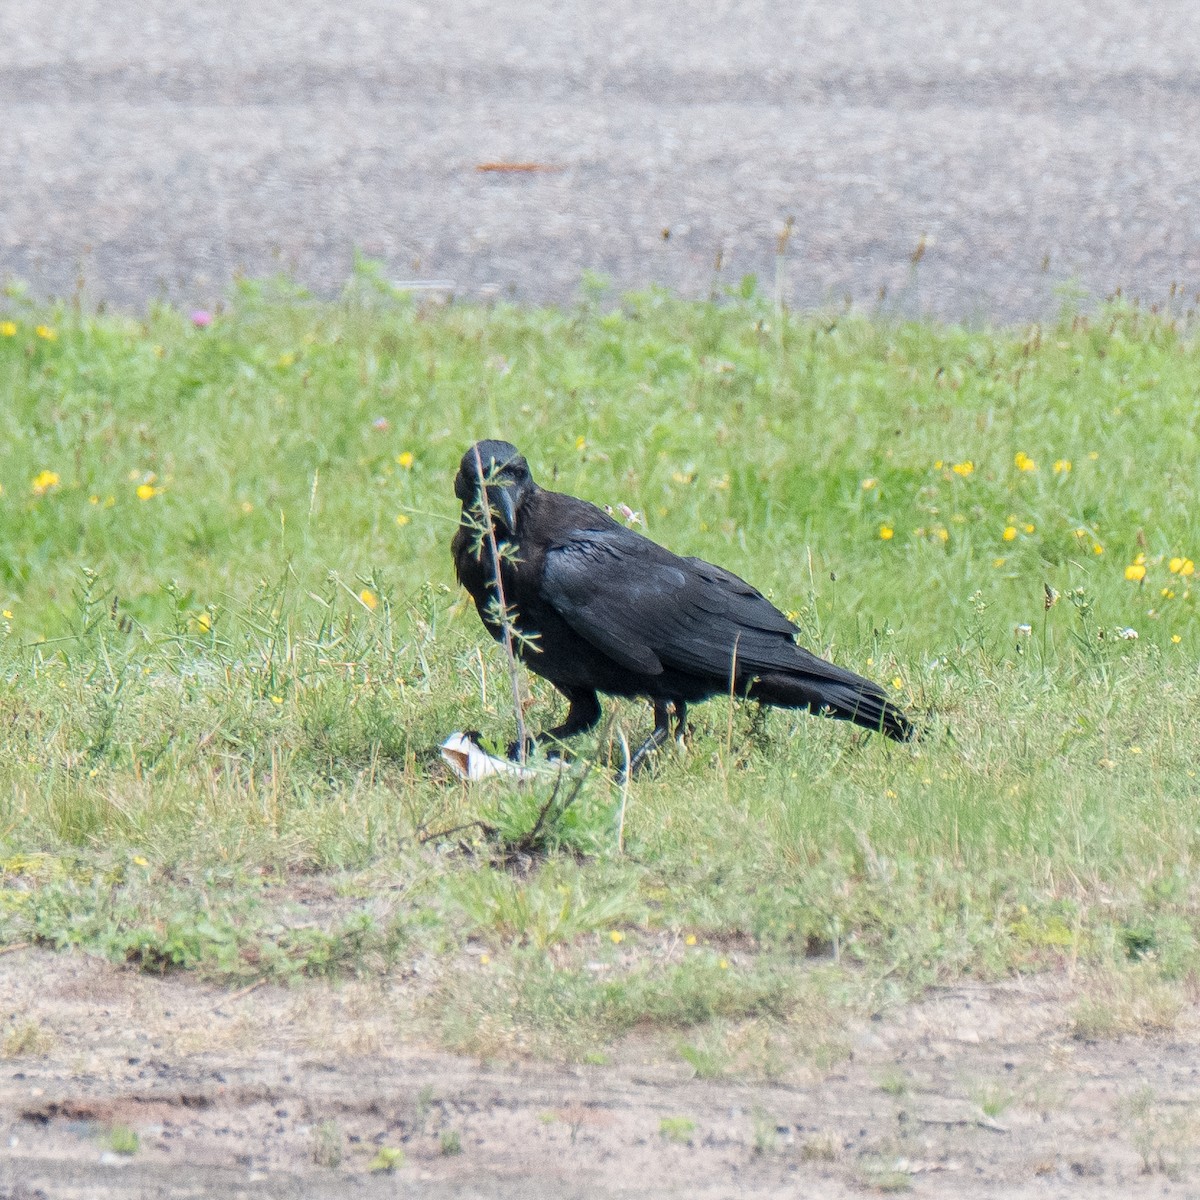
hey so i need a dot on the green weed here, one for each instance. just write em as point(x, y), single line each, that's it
point(123, 1140)
point(231, 643)
point(677, 1129)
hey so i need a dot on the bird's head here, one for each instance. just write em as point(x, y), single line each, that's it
point(498, 468)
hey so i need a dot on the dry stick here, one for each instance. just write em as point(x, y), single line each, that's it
point(13, 947)
point(241, 993)
point(732, 695)
point(530, 839)
point(624, 791)
point(426, 838)
point(983, 1122)
point(505, 626)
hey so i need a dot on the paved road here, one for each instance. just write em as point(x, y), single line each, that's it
point(155, 148)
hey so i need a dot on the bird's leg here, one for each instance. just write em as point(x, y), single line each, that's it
point(680, 720)
point(582, 715)
point(661, 732)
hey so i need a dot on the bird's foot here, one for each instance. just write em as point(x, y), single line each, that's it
point(659, 736)
point(552, 750)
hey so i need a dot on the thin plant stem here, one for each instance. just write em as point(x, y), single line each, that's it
point(510, 653)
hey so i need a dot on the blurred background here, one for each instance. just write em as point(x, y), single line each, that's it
point(1015, 151)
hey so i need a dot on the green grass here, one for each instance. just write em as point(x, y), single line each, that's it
point(232, 638)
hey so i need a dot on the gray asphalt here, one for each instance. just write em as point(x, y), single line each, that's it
point(152, 148)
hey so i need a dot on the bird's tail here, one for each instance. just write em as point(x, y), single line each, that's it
point(833, 692)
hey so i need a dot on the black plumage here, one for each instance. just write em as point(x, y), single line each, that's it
point(598, 607)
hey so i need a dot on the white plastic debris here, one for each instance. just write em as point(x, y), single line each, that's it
point(468, 761)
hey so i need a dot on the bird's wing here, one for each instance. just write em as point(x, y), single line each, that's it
point(647, 609)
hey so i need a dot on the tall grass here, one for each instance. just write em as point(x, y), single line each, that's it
point(231, 636)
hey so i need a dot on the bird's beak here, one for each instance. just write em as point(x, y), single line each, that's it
point(503, 502)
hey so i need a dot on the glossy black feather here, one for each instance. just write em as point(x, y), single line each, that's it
point(603, 609)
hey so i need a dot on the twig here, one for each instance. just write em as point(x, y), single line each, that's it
point(426, 838)
point(781, 245)
point(528, 842)
point(12, 949)
point(530, 838)
point(241, 994)
point(505, 625)
point(982, 1122)
point(732, 697)
point(625, 773)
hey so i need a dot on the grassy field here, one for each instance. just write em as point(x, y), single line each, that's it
point(231, 639)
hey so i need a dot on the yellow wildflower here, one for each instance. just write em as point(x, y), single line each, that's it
point(1030, 527)
point(402, 519)
point(1176, 638)
point(8, 614)
point(897, 682)
point(93, 499)
point(147, 491)
point(581, 443)
point(616, 937)
point(690, 940)
point(285, 360)
point(723, 965)
point(1135, 572)
point(406, 459)
point(1009, 533)
point(1167, 594)
point(276, 699)
point(999, 562)
point(868, 484)
point(1023, 462)
point(8, 329)
point(484, 959)
point(1062, 466)
point(1097, 548)
point(1181, 566)
point(369, 598)
point(964, 468)
point(886, 532)
point(43, 481)
point(47, 333)
point(140, 861)
point(204, 622)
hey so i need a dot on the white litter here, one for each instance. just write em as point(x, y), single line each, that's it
point(470, 762)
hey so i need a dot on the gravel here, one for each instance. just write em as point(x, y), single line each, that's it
point(150, 149)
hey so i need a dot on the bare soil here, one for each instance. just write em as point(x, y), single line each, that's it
point(977, 1091)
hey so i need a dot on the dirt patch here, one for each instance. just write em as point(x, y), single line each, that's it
point(274, 1092)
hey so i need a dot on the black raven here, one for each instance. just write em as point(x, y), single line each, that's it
point(597, 607)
